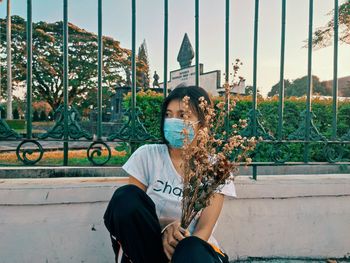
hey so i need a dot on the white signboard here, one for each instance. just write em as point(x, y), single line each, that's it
point(240, 88)
point(209, 81)
point(236, 89)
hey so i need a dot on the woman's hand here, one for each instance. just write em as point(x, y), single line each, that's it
point(172, 235)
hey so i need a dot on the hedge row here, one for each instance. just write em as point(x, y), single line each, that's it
point(150, 102)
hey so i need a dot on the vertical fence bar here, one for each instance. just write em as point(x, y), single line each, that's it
point(281, 86)
point(9, 62)
point(165, 86)
point(99, 71)
point(335, 71)
point(309, 85)
point(197, 40)
point(133, 67)
point(29, 69)
point(255, 63)
point(0, 75)
point(227, 64)
point(65, 80)
point(227, 41)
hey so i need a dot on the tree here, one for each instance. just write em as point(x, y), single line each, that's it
point(2, 113)
point(249, 91)
point(50, 116)
point(275, 88)
point(143, 65)
point(15, 114)
point(48, 62)
point(36, 116)
point(43, 116)
point(43, 107)
point(298, 87)
point(323, 36)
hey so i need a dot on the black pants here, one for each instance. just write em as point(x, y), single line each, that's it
point(132, 222)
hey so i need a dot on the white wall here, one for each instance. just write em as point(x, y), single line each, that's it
point(288, 216)
point(60, 220)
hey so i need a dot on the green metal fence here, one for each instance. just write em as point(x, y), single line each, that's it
point(67, 129)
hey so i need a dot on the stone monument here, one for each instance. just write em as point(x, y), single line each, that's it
point(155, 80)
point(186, 75)
point(117, 111)
point(186, 53)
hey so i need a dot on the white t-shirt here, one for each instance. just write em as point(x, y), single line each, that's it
point(151, 165)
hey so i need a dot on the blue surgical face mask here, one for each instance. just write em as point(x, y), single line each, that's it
point(173, 128)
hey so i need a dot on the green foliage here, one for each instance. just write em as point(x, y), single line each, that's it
point(50, 116)
point(249, 90)
point(150, 104)
point(48, 60)
point(323, 36)
point(298, 87)
point(15, 114)
point(36, 116)
point(343, 118)
point(43, 116)
point(16, 124)
point(18, 107)
point(275, 88)
point(2, 113)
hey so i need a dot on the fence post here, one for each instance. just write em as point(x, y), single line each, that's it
point(197, 40)
point(281, 86)
point(165, 73)
point(255, 61)
point(335, 71)
point(309, 85)
point(99, 71)
point(29, 69)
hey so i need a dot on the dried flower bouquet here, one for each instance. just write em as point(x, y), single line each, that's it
point(213, 158)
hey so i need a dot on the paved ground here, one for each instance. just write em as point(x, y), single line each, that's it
point(281, 260)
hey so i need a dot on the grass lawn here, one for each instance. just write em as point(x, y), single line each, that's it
point(24, 131)
point(75, 157)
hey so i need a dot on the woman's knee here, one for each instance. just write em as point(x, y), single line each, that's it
point(190, 246)
point(124, 202)
point(128, 191)
point(127, 196)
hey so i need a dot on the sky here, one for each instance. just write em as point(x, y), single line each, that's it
point(150, 26)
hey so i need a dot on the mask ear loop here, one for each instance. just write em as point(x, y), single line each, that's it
point(192, 125)
point(195, 122)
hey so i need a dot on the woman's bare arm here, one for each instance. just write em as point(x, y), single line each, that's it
point(134, 181)
point(208, 218)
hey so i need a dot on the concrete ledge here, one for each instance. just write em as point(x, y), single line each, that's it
point(60, 220)
point(60, 171)
point(115, 171)
point(22, 192)
point(99, 189)
point(293, 186)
